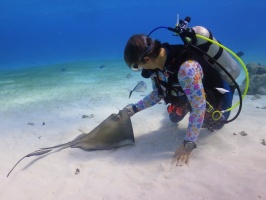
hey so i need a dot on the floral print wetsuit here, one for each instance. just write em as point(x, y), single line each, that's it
point(190, 77)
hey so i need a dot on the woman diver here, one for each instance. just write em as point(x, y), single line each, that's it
point(184, 79)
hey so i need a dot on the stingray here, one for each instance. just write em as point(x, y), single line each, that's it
point(114, 131)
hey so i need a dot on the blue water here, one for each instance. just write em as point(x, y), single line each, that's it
point(67, 51)
point(38, 32)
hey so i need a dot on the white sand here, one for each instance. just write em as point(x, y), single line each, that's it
point(224, 166)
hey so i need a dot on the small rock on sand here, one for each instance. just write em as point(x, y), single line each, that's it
point(243, 133)
point(88, 116)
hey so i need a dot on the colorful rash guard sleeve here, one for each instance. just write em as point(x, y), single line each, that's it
point(190, 78)
point(150, 100)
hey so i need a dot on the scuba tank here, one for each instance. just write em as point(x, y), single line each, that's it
point(201, 40)
point(218, 54)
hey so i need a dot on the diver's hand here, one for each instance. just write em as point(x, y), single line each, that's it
point(131, 109)
point(181, 156)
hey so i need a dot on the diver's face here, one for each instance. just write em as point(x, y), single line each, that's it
point(154, 63)
point(149, 63)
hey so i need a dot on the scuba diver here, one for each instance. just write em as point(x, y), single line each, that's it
point(187, 79)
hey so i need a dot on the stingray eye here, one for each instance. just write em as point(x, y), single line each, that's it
point(116, 117)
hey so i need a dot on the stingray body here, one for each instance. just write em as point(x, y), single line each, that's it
point(114, 131)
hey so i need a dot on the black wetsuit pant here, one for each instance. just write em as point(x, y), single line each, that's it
point(179, 110)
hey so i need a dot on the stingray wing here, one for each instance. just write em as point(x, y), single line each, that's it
point(115, 131)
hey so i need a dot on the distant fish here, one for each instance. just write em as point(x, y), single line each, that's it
point(222, 90)
point(140, 87)
point(128, 75)
point(240, 53)
point(101, 66)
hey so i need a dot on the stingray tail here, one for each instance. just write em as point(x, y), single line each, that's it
point(35, 153)
point(43, 151)
point(68, 144)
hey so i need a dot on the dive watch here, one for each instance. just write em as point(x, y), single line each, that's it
point(189, 146)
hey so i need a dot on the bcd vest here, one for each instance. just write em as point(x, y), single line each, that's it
point(176, 56)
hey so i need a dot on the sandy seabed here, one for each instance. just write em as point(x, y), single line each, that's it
point(42, 108)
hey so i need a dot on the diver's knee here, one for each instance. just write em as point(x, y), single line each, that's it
point(174, 118)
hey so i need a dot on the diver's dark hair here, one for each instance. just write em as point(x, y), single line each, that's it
point(136, 47)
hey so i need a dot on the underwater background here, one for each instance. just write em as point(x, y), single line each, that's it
point(63, 49)
point(43, 32)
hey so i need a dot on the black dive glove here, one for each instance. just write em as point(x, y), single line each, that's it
point(131, 109)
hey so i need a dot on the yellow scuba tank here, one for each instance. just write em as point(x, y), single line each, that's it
point(217, 53)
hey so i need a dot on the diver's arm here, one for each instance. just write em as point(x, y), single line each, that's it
point(190, 77)
point(149, 100)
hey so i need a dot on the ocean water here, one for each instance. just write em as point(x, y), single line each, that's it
point(61, 50)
